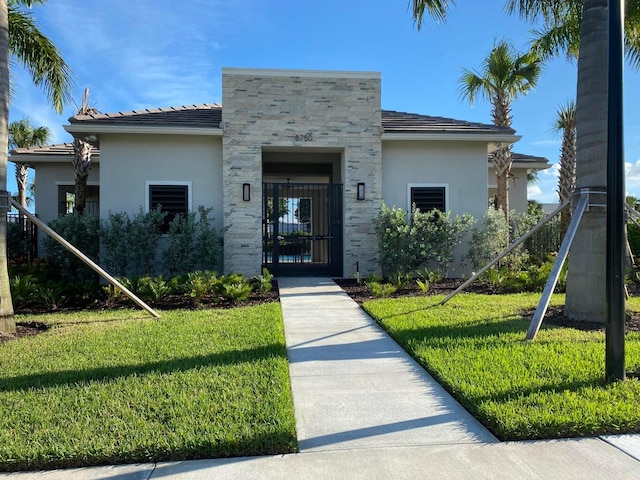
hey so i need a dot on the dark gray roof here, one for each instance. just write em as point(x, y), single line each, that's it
point(401, 122)
point(210, 115)
point(523, 158)
point(205, 115)
point(57, 149)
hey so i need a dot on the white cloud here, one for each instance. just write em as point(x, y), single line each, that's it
point(632, 177)
point(546, 143)
point(552, 172)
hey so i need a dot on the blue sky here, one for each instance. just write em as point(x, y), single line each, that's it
point(138, 54)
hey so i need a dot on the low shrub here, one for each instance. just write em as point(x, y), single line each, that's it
point(381, 290)
point(83, 232)
point(409, 242)
point(237, 292)
point(264, 281)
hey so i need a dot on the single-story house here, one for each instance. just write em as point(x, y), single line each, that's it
point(312, 149)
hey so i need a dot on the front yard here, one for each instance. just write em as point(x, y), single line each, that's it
point(120, 387)
point(550, 388)
point(107, 387)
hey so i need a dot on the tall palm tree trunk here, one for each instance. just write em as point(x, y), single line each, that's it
point(567, 174)
point(502, 165)
point(7, 320)
point(81, 165)
point(586, 282)
point(501, 115)
point(22, 172)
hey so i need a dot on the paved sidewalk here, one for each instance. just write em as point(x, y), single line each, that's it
point(365, 410)
point(353, 386)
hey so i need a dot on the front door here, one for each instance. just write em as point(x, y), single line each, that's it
point(302, 229)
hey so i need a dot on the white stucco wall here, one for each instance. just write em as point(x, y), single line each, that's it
point(517, 188)
point(130, 161)
point(460, 165)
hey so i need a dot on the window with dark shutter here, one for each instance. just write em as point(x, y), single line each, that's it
point(172, 199)
point(428, 198)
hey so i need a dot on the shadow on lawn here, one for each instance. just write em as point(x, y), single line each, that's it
point(71, 377)
point(487, 328)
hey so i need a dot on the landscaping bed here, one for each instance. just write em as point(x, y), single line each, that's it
point(555, 314)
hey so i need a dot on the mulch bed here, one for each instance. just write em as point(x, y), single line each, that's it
point(172, 302)
point(360, 293)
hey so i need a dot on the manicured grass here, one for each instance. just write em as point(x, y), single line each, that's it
point(120, 387)
point(550, 388)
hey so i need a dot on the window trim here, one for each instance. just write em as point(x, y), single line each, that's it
point(428, 185)
point(149, 183)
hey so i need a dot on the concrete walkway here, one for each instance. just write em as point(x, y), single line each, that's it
point(353, 386)
point(365, 410)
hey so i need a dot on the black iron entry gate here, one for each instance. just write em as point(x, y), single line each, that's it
point(302, 228)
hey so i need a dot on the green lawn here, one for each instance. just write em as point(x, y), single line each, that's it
point(550, 388)
point(120, 387)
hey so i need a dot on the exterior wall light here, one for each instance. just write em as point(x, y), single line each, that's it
point(360, 191)
point(246, 192)
point(5, 201)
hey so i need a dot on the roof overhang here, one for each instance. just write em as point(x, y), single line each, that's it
point(96, 129)
point(34, 159)
point(531, 165)
point(494, 141)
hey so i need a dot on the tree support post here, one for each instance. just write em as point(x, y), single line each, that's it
point(536, 321)
point(90, 263)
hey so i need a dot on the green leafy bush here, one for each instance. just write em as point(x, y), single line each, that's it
point(237, 292)
point(381, 290)
point(423, 285)
point(83, 232)
point(137, 246)
point(530, 278)
point(130, 245)
point(264, 281)
point(194, 244)
point(23, 290)
point(198, 284)
point(411, 242)
point(400, 279)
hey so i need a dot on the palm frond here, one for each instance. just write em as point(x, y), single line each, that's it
point(438, 9)
point(39, 56)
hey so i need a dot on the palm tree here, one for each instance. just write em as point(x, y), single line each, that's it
point(82, 158)
point(566, 123)
point(438, 9)
point(7, 321)
point(505, 75)
point(20, 37)
point(560, 33)
point(586, 281)
point(81, 165)
point(23, 135)
point(30, 47)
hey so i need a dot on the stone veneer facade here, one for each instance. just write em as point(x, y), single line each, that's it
point(292, 110)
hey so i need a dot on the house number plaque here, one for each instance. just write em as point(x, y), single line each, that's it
point(304, 137)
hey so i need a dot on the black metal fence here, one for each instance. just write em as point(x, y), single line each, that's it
point(546, 240)
point(22, 239)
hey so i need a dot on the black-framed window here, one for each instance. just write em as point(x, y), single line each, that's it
point(172, 199)
point(429, 198)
